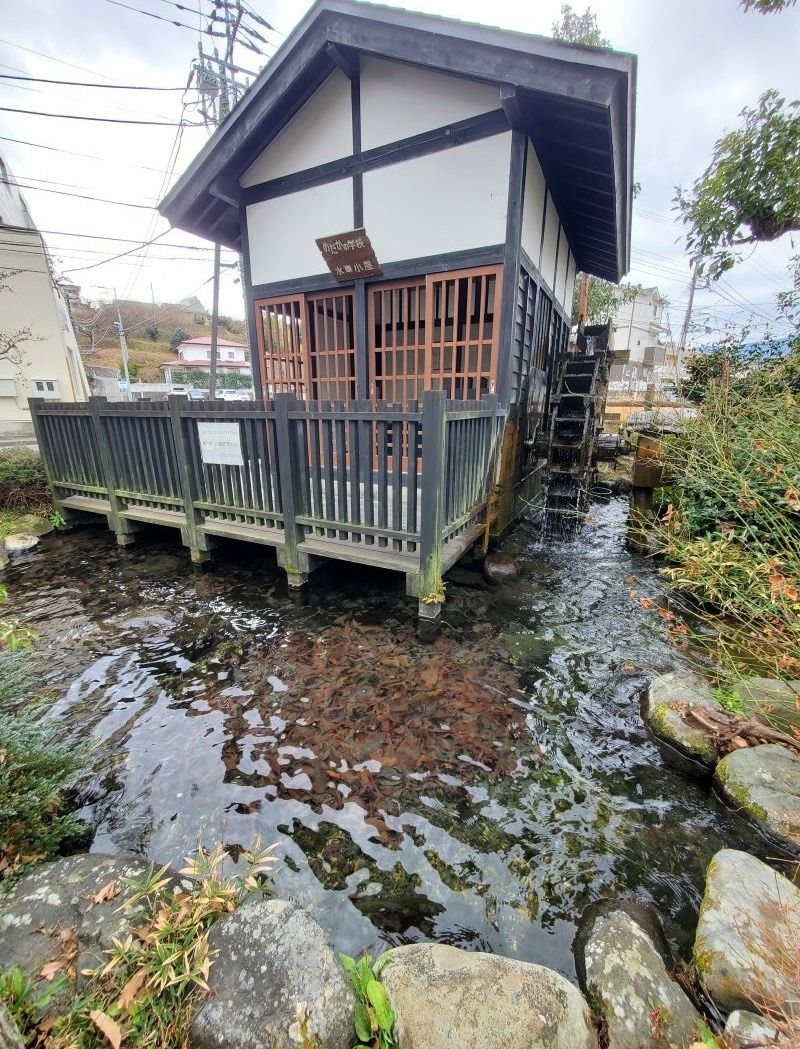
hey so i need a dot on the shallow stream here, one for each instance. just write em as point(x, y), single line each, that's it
point(479, 791)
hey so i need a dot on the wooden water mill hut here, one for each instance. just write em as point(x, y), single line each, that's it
point(412, 197)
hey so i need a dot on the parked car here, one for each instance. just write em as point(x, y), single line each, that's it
point(179, 391)
point(235, 395)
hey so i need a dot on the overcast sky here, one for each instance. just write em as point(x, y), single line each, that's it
point(700, 63)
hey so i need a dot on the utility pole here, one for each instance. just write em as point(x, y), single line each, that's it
point(123, 345)
point(583, 304)
point(687, 320)
point(212, 369)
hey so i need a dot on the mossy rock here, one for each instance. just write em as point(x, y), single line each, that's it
point(763, 785)
point(31, 524)
point(749, 921)
point(663, 707)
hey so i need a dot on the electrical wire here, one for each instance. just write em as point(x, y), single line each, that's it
point(102, 120)
point(86, 83)
point(84, 156)
point(80, 196)
point(138, 10)
point(51, 58)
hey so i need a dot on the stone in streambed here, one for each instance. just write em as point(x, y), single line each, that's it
point(664, 707)
point(276, 983)
point(763, 784)
point(749, 921)
point(445, 997)
point(627, 981)
point(499, 568)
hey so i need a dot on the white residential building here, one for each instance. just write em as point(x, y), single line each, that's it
point(195, 355)
point(41, 357)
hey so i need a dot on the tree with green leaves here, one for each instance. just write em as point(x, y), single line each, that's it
point(750, 191)
point(767, 7)
point(579, 29)
point(604, 299)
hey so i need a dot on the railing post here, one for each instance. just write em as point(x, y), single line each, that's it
point(34, 403)
point(295, 563)
point(431, 587)
point(116, 522)
point(199, 544)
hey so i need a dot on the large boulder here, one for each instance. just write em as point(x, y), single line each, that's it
point(665, 710)
point(626, 980)
point(67, 911)
point(763, 784)
point(747, 944)
point(276, 983)
point(445, 997)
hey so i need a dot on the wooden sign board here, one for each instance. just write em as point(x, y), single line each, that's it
point(349, 256)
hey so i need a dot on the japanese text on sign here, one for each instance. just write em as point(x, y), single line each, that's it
point(220, 444)
point(349, 255)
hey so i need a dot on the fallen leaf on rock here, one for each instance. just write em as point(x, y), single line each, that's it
point(49, 969)
point(109, 1028)
point(109, 892)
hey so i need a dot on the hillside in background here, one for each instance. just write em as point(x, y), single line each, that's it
point(148, 329)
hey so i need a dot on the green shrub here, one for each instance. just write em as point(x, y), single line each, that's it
point(23, 484)
point(35, 772)
point(731, 531)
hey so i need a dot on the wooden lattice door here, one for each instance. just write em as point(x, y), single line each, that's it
point(435, 333)
point(280, 330)
point(331, 346)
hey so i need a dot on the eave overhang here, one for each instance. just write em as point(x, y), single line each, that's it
point(577, 104)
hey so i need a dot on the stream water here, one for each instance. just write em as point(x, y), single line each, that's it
point(479, 790)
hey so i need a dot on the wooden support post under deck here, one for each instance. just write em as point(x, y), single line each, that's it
point(116, 522)
point(431, 587)
point(295, 563)
point(199, 544)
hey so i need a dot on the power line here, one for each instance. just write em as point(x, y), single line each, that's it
point(80, 196)
point(138, 10)
point(87, 83)
point(51, 58)
point(85, 156)
point(102, 120)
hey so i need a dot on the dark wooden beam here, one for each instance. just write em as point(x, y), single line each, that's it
point(344, 58)
point(509, 100)
point(227, 190)
point(511, 256)
point(453, 260)
point(435, 141)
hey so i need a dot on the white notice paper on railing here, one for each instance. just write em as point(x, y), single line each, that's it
point(220, 444)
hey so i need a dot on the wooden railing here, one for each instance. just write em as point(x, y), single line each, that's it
point(399, 487)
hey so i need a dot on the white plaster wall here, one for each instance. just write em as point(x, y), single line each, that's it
point(52, 354)
point(282, 232)
point(563, 264)
point(533, 204)
point(548, 268)
point(447, 201)
point(399, 101)
point(569, 287)
point(321, 131)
